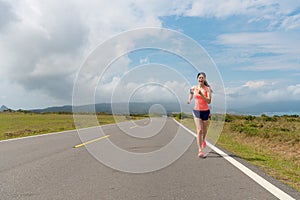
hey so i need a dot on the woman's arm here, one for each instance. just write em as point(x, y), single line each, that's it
point(190, 95)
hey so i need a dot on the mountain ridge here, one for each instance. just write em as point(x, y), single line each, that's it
point(3, 108)
point(116, 108)
point(169, 107)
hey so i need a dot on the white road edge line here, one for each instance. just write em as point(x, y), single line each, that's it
point(258, 179)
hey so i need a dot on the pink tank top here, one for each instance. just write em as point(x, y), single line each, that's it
point(200, 103)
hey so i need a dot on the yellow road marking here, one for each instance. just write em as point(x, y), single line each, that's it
point(88, 142)
point(134, 126)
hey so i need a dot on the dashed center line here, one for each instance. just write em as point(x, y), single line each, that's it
point(134, 126)
point(88, 142)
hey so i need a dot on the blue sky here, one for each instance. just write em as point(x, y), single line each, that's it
point(255, 46)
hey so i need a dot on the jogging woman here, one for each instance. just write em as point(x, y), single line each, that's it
point(201, 112)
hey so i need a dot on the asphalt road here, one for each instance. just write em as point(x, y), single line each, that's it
point(49, 167)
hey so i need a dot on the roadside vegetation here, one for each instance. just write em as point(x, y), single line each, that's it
point(23, 123)
point(271, 143)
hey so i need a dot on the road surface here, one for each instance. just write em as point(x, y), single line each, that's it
point(49, 167)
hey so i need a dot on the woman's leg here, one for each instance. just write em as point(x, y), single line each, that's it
point(204, 132)
point(205, 127)
point(205, 123)
point(199, 126)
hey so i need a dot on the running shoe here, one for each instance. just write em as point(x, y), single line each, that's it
point(200, 154)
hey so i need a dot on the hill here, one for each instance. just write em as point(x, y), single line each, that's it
point(170, 107)
point(116, 108)
point(3, 107)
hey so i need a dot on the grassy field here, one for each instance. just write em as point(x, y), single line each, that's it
point(271, 143)
point(20, 124)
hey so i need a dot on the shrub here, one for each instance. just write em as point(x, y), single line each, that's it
point(228, 118)
point(285, 129)
point(268, 118)
point(249, 118)
point(246, 129)
point(180, 115)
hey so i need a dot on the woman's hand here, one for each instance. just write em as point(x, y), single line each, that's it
point(201, 93)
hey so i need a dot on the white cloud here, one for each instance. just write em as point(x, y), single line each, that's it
point(275, 42)
point(261, 51)
point(253, 92)
point(275, 12)
point(255, 84)
point(220, 9)
point(150, 90)
point(144, 60)
point(45, 42)
point(291, 22)
point(274, 47)
point(6, 15)
point(294, 89)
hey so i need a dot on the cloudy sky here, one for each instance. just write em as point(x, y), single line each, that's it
point(255, 46)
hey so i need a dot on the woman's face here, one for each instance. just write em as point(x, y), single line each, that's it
point(201, 78)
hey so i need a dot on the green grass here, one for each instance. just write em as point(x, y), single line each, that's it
point(24, 124)
point(278, 166)
point(19, 124)
point(271, 143)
